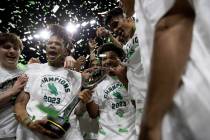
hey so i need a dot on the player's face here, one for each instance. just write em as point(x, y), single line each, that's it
point(110, 59)
point(121, 27)
point(55, 51)
point(128, 7)
point(9, 55)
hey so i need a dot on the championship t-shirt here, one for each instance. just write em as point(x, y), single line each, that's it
point(117, 113)
point(52, 89)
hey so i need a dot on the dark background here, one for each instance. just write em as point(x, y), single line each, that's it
point(27, 17)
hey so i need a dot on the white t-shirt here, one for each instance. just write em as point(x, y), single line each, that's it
point(189, 117)
point(136, 77)
point(135, 71)
point(8, 123)
point(130, 47)
point(54, 88)
point(117, 114)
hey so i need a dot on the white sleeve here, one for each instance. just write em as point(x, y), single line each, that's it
point(30, 71)
point(76, 80)
point(96, 96)
point(155, 9)
point(27, 87)
point(29, 82)
point(79, 83)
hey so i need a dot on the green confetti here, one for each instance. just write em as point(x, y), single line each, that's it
point(21, 66)
point(50, 111)
point(122, 130)
point(32, 2)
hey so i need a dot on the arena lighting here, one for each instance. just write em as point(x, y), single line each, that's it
point(71, 28)
point(55, 9)
point(30, 38)
point(37, 36)
point(24, 39)
point(102, 55)
point(92, 22)
point(78, 25)
point(44, 51)
point(44, 34)
point(84, 24)
point(33, 49)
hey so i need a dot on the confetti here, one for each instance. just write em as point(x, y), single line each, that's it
point(27, 18)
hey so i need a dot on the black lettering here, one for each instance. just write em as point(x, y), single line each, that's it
point(67, 90)
point(105, 96)
point(66, 86)
point(114, 86)
point(56, 78)
point(53, 100)
point(63, 82)
point(49, 99)
point(110, 89)
point(124, 103)
point(113, 106)
point(106, 91)
point(117, 105)
point(58, 101)
point(59, 80)
point(45, 98)
point(51, 79)
point(45, 80)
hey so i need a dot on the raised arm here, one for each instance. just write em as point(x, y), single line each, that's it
point(172, 45)
point(91, 106)
point(103, 32)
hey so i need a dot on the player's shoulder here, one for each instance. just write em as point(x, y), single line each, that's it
point(35, 65)
point(106, 81)
point(74, 75)
point(77, 74)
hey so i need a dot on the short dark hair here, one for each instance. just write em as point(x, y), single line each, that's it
point(111, 47)
point(112, 14)
point(11, 37)
point(59, 31)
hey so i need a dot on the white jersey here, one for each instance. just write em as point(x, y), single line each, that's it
point(130, 47)
point(8, 123)
point(136, 76)
point(117, 114)
point(135, 71)
point(54, 88)
point(189, 117)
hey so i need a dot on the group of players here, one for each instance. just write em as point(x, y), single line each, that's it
point(156, 84)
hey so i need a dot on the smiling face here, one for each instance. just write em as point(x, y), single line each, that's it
point(122, 27)
point(56, 51)
point(110, 59)
point(9, 55)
